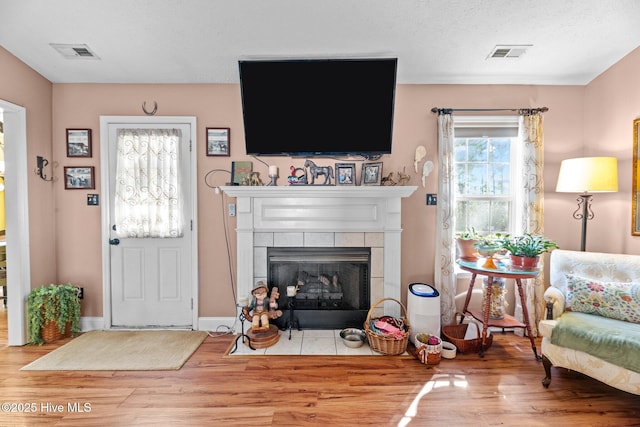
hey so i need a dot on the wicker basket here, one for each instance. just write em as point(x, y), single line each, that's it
point(50, 332)
point(429, 354)
point(385, 344)
point(455, 334)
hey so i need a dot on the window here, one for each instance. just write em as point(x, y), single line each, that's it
point(484, 170)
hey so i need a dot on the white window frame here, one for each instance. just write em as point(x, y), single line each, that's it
point(496, 122)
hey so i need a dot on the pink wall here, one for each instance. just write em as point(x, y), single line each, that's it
point(22, 86)
point(579, 119)
point(80, 105)
point(612, 102)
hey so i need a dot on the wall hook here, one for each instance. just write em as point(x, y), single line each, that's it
point(41, 162)
point(150, 113)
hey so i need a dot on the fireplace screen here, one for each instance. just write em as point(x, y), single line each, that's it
point(333, 284)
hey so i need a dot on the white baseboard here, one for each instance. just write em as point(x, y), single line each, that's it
point(211, 324)
point(91, 323)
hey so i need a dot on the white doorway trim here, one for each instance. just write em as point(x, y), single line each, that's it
point(17, 220)
point(105, 122)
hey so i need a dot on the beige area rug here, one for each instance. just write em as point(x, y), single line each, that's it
point(122, 351)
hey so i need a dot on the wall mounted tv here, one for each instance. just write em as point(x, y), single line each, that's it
point(318, 107)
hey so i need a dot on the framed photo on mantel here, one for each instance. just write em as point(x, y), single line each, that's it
point(371, 173)
point(345, 173)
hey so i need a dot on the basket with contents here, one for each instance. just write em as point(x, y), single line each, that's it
point(386, 334)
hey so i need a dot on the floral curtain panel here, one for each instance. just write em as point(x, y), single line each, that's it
point(147, 189)
point(444, 263)
point(531, 132)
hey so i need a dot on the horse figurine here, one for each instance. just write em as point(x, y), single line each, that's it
point(316, 171)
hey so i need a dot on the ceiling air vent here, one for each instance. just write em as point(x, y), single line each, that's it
point(508, 51)
point(74, 51)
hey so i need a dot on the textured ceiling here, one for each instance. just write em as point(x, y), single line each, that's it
point(435, 41)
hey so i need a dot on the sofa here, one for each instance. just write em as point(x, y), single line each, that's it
point(592, 324)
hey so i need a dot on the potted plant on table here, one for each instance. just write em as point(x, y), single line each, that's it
point(54, 313)
point(525, 250)
point(465, 241)
point(487, 246)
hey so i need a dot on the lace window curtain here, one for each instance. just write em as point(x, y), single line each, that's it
point(147, 189)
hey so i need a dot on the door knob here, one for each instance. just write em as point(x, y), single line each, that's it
point(114, 242)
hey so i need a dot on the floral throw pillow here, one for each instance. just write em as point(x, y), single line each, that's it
point(615, 300)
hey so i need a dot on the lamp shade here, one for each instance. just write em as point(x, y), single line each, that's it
point(588, 175)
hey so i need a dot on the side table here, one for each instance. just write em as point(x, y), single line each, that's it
point(483, 315)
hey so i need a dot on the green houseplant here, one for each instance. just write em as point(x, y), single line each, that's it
point(525, 250)
point(465, 241)
point(53, 303)
point(487, 247)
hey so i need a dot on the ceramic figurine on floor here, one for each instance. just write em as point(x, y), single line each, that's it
point(262, 308)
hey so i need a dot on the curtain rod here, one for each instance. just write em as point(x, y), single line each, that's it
point(476, 110)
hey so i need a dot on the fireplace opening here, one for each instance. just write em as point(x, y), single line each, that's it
point(333, 285)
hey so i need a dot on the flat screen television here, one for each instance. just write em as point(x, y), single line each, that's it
point(318, 107)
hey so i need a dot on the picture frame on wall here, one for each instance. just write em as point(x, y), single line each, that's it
point(345, 174)
point(218, 141)
point(79, 178)
point(371, 173)
point(78, 142)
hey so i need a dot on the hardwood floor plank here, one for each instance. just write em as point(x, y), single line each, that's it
point(503, 388)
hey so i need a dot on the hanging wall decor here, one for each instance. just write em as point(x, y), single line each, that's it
point(218, 141)
point(79, 178)
point(78, 142)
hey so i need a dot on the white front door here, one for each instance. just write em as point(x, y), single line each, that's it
point(151, 279)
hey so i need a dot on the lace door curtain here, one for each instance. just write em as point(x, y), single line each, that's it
point(529, 213)
point(147, 189)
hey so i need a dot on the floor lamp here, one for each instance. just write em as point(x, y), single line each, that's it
point(587, 175)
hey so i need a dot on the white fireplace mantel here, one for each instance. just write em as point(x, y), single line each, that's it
point(320, 209)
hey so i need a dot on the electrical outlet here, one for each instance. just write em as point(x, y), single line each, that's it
point(80, 292)
point(432, 199)
point(232, 209)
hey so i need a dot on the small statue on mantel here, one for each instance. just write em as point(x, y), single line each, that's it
point(262, 308)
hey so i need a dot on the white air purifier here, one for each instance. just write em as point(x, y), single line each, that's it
point(423, 310)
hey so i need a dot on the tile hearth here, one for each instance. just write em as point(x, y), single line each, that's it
point(308, 342)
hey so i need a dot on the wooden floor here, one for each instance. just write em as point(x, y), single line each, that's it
point(503, 388)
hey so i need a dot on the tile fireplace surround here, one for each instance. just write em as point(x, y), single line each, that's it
point(320, 216)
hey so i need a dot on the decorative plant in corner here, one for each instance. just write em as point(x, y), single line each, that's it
point(525, 250)
point(54, 303)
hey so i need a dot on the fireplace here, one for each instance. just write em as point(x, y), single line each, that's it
point(333, 285)
point(309, 216)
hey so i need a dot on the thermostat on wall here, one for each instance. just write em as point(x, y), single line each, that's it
point(92, 200)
